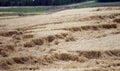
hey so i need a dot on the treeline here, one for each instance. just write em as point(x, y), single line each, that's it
point(43, 2)
point(107, 0)
point(37, 2)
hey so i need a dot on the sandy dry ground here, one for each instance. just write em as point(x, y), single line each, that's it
point(72, 40)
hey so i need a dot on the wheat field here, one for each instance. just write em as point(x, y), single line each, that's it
point(85, 39)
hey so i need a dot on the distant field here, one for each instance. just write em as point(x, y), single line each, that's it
point(25, 11)
point(95, 4)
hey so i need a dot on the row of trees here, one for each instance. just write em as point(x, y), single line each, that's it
point(43, 2)
point(36, 2)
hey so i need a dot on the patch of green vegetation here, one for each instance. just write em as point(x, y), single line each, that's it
point(25, 9)
point(95, 4)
